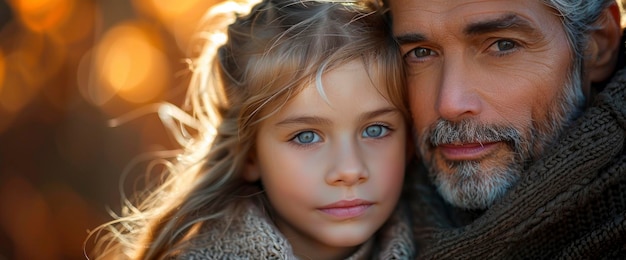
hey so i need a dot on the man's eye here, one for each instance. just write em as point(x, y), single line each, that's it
point(375, 131)
point(422, 52)
point(505, 45)
point(307, 137)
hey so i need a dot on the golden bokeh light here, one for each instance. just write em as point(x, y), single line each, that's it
point(79, 24)
point(39, 56)
point(42, 15)
point(166, 9)
point(67, 67)
point(88, 83)
point(5, 118)
point(129, 64)
point(2, 68)
point(179, 17)
point(35, 60)
point(16, 93)
point(28, 55)
point(29, 218)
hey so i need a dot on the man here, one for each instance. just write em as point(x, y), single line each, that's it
point(519, 111)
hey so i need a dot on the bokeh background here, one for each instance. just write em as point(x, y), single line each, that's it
point(68, 67)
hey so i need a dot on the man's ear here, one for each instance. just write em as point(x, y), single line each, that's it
point(601, 56)
point(251, 172)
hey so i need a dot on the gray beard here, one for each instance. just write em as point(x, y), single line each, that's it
point(472, 188)
point(478, 184)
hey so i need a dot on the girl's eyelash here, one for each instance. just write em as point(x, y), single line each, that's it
point(295, 135)
point(388, 128)
point(383, 124)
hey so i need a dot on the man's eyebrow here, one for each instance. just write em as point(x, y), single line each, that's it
point(410, 38)
point(505, 22)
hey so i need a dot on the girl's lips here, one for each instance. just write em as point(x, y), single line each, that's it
point(466, 151)
point(346, 209)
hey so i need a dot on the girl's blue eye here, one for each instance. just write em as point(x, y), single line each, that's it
point(375, 131)
point(307, 137)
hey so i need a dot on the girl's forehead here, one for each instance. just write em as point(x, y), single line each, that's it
point(330, 76)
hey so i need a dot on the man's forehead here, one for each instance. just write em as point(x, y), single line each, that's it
point(464, 7)
point(425, 15)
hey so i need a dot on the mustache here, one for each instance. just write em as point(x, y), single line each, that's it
point(470, 131)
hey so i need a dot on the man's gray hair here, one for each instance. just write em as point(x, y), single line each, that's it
point(579, 18)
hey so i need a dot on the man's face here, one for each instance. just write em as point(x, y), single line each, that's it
point(489, 89)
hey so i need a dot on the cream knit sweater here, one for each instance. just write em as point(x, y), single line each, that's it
point(253, 236)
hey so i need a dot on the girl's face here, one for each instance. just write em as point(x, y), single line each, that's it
point(332, 171)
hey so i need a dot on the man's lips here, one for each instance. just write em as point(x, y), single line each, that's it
point(346, 208)
point(466, 151)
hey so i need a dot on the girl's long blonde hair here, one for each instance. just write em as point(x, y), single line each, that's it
point(267, 57)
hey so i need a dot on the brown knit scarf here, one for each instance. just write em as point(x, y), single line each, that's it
point(253, 236)
point(571, 204)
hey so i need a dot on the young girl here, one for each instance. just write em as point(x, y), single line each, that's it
point(300, 144)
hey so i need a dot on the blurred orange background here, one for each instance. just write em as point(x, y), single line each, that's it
point(67, 67)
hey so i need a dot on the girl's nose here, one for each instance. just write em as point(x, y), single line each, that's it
point(349, 167)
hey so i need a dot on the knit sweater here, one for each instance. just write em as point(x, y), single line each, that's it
point(253, 236)
point(570, 204)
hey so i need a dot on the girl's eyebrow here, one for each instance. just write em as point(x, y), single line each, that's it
point(316, 120)
point(378, 112)
point(311, 120)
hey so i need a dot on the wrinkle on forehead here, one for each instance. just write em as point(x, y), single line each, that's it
point(432, 15)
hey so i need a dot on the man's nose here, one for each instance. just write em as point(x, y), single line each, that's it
point(457, 98)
